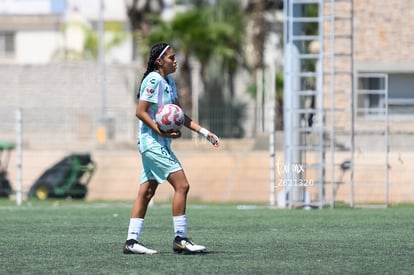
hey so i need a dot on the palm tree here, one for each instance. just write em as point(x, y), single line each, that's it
point(232, 36)
point(192, 34)
point(257, 9)
point(213, 35)
point(139, 12)
point(259, 31)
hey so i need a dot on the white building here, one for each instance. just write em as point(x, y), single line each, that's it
point(39, 31)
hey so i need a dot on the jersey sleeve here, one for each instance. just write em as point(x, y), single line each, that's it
point(150, 88)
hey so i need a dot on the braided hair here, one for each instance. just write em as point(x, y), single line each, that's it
point(152, 65)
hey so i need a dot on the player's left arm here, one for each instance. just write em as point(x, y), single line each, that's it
point(194, 126)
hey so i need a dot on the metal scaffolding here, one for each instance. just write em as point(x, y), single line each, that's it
point(318, 61)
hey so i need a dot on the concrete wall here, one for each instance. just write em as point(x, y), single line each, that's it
point(63, 102)
point(235, 172)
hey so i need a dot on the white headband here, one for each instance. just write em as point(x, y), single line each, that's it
point(163, 51)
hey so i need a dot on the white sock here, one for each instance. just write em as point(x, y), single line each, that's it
point(135, 228)
point(180, 226)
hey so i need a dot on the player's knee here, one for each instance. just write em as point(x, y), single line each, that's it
point(149, 193)
point(183, 188)
point(146, 194)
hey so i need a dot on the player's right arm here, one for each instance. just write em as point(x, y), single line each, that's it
point(148, 96)
point(143, 115)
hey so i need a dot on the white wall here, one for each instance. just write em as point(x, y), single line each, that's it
point(113, 9)
point(37, 47)
point(25, 6)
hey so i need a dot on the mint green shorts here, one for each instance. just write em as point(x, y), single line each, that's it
point(158, 163)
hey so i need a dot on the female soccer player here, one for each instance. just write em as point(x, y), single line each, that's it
point(159, 163)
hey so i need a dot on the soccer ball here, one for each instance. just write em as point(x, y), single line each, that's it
point(170, 118)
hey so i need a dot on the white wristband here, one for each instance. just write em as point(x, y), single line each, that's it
point(204, 132)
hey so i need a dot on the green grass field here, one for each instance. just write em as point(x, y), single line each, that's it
point(69, 237)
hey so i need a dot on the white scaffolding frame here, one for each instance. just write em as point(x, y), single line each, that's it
point(309, 145)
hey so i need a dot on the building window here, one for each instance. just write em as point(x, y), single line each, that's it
point(401, 94)
point(376, 92)
point(371, 94)
point(7, 44)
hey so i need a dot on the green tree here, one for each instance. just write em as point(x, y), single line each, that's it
point(196, 34)
point(214, 36)
point(139, 14)
point(230, 51)
point(183, 33)
point(260, 29)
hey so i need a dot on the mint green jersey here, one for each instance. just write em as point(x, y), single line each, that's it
point(158, 91)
